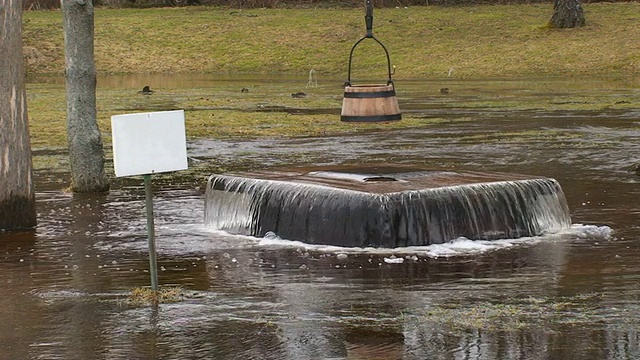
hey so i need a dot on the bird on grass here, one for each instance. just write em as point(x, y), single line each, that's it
point(146, 90)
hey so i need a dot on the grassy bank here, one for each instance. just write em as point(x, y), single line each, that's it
point(471, 42)
point(424, 42)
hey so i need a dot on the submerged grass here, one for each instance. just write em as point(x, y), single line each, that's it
point(142, 296)
point(225, 112)
point(514, 314)
point(522, 136)
point(219, 113)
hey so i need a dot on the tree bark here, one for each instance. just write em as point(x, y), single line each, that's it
point(567, 14)
point(17, 195)
point(86, 155)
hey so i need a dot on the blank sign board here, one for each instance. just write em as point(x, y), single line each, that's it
point(148, 143)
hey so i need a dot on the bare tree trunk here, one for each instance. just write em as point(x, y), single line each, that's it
point(567, 14)
point(17, 197)
point(86, 155)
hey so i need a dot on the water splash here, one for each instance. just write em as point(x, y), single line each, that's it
point(454, 248)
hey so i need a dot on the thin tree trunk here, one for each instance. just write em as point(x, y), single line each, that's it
point(567, 14)
point(86, 155)
point(17, 197)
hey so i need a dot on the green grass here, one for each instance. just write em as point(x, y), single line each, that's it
point(477, 41)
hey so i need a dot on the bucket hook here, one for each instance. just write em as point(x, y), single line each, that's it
point(368, 18)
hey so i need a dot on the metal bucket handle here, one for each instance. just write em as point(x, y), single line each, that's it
point(369, 23)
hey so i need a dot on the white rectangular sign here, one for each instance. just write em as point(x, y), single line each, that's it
point(148, 143)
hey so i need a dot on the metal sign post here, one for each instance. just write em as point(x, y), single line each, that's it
point(145, 144)
point(151, 233)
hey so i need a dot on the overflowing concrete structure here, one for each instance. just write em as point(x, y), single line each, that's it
point(384, 206)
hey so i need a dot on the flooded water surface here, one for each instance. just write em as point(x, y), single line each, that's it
point(66, 286)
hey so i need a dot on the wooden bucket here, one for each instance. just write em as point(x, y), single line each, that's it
point(370, 103)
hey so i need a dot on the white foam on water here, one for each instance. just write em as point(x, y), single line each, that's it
point(393, 260)
point(592, 231)
point(457, 247)
point(176, 239)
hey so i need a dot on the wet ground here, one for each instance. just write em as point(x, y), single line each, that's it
point(574, 295)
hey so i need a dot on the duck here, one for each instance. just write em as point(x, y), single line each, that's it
point(444, 91)
point(244, 90)
point(146, 90)
point(298, 95)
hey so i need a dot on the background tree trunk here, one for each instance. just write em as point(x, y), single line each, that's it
point(17, 197)
point(567, 14)
point(86, 155)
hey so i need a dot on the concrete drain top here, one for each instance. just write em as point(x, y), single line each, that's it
point(384, 206)
point(382, 180)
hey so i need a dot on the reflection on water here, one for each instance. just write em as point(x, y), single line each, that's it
point(565, 296)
